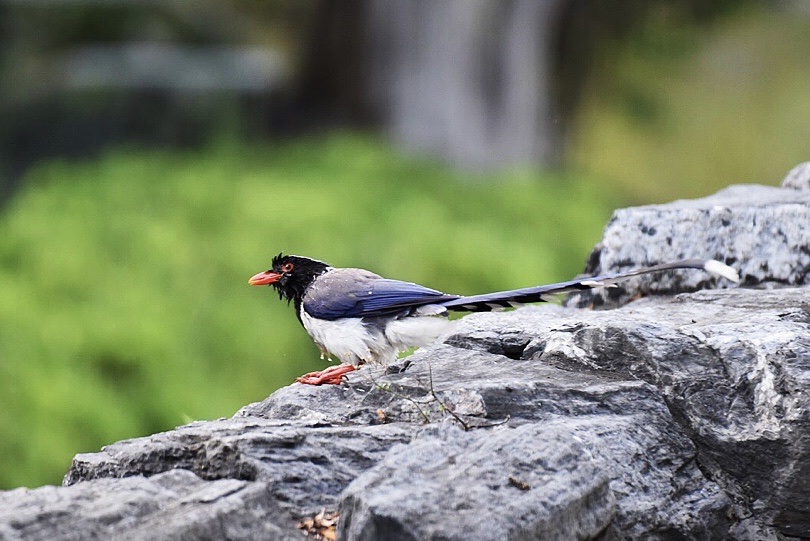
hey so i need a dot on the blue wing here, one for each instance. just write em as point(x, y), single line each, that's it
point(356, 293)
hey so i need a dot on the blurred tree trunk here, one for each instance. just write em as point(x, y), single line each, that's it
point(466, 80)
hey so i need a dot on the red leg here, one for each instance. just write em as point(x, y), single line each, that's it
point(331, 376)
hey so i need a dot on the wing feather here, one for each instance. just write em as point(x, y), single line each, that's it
point(344, 293)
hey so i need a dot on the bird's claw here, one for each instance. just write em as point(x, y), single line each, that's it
point(331, 376)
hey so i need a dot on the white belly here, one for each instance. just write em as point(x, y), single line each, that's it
point(354, 342)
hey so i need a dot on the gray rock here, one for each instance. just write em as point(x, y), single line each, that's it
point(172, 505)
point(798, 178)
point(553, 488)
point(733, 368)
point(304, 466)
point(761, 231)
point(680, 417)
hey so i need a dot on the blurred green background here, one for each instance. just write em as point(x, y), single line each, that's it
point(124, 304)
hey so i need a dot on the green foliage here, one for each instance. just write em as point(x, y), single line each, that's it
point(124, 304)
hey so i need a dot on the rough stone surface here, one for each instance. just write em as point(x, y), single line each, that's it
point(172, 505)
point(761, 231)
point(614, 417)
point(303, 465)
point(733, 368)
point(798, 178)
point(672, 417)
point(575, 502)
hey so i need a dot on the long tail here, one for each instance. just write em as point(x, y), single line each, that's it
point(516, 297)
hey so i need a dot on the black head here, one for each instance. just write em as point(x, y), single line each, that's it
point(290, 275)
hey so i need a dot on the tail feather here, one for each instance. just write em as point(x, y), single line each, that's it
point(515, 297)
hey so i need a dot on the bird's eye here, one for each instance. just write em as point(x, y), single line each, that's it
point(287, 267)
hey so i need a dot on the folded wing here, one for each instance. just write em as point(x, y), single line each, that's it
point(343, 293)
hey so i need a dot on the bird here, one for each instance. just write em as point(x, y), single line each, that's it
point(360, 317)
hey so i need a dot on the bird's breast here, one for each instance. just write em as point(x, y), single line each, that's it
point(348, 339)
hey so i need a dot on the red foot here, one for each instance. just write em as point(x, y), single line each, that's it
point(331, 376)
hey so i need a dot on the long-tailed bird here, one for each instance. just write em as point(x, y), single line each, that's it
point(361, 317)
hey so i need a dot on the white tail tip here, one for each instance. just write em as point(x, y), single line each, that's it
point(721, 269)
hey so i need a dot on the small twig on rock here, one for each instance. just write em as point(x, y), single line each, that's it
point(386, 387)
point(442, 404)
point(518, 484)
point(434, 395)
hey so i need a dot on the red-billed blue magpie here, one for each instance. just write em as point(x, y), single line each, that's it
point(361, 317)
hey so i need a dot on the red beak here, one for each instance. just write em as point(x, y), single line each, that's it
point(263, 278)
